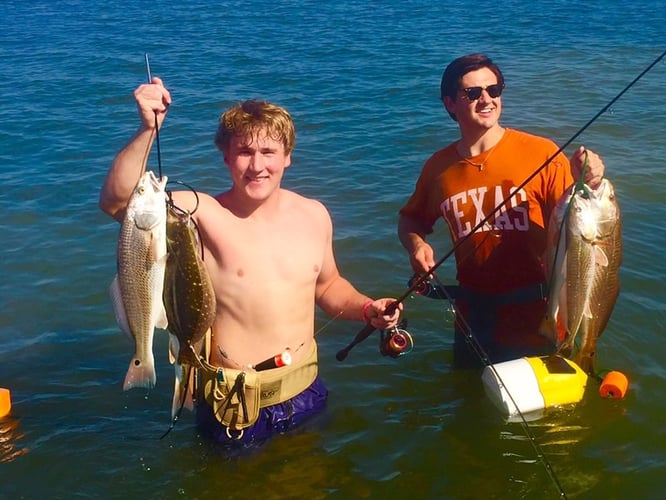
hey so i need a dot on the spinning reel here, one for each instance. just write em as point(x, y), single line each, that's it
point(396, 342)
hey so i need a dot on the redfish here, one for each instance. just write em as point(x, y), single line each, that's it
point(136, 291)
point(585, 252)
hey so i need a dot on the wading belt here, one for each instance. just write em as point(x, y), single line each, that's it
point(237, 395)
point(530, 293)
point(482, 307)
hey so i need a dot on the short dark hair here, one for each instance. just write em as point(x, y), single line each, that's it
point(460, 67)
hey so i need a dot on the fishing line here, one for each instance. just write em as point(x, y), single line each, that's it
point(580, 186)
point(420, 281)
point(182, 403)
point(176, 207)
point(159, 166)
point(478, 349)
point(187, 213)
point(157, 129)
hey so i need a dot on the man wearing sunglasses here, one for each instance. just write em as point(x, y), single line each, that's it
point(502, 292)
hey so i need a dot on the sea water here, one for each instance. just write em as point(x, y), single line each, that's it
point(361, 79)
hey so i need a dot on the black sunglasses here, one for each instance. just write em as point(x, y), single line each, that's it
point(473, 93)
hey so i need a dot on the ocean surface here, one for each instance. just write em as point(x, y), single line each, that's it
point(361, 80)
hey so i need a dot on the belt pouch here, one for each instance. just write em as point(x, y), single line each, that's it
point(234, 396)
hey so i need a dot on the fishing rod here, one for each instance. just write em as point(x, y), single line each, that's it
point(367, 330)
point(157, 129)
point(442, 291)
point(159, 155)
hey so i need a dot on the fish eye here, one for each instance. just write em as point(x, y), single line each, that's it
point(142, 190)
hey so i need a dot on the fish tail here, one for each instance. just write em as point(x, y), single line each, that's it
point(566, 348)
point(586, 363)
point(188, 356)
point(141, 373)
point(174, 349)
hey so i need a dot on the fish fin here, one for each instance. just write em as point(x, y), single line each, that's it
point(548, 328)
point(178, 390)
point(182, 396)
point(566, 348)
point(140, 374)
point(157, 248)
point(119, 307)
point(174, 348)
point(587, 311)
point(189, 397)
point(161, 320)
point(586, 363)
point(160, 315)
point(600, 257)
point(563, 312)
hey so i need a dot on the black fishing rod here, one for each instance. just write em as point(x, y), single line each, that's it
point(421, 280)
point(442, 291)
point(157, 128)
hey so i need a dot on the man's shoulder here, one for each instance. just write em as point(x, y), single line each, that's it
point(440, 160)
point(192, 201)
point(298, 201)
point(446, 151)
point(526, 138)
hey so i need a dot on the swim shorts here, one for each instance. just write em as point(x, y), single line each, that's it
point(275, 419)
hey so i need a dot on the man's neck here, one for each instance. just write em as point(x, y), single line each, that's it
point(244, 207)
point(474, 144)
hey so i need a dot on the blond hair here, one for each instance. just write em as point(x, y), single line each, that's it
point(252, 117)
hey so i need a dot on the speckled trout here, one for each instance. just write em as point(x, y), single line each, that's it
point(137, 288)
point(189, 299)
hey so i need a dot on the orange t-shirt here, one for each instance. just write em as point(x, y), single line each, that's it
point(506, 253)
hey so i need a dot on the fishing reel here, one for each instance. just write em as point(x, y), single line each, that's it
point(435, 289)
point(396, 342)
point(426, 287)
point(421, 288)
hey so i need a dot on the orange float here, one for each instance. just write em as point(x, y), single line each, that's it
point(614, 385)
point(5, 402)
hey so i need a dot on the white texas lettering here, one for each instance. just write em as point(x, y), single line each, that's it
point(477, 195)
point(457, 211)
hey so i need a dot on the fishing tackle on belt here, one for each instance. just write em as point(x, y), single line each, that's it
point(281, 359)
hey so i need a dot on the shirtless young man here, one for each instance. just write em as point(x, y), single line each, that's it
point(500, 268)
point(268, 251)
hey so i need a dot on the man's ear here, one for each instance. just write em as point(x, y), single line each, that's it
point(449, 104)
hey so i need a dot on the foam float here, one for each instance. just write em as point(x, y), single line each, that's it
point(614, 385)
point(5, 402)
